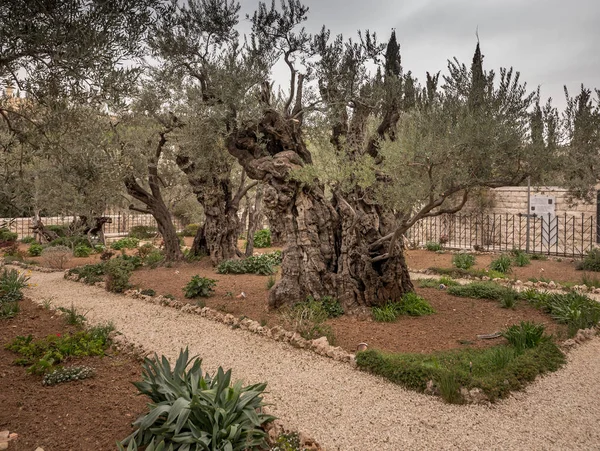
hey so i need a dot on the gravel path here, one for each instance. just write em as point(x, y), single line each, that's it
point(345, 409)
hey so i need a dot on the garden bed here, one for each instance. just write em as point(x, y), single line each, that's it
point(80, 415)
point(456, 323)
point(551, 269)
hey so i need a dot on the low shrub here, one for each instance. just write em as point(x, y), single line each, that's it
point(525, 335)
point(56, 256)
point(12, 250)
point(28, 240)
point(436, 283)
point(125, 243)
point(520, 258)
point(590, 281)
point(496, 371)
point(287, 442)
point(43, 355)
point(199, 287)
point(433, 246)
point(463, 261)
point(142, 232)
point(509, 299)
point(190, 230)
point(262, 238)
point(7, 238)
point(332, 306)
point(575, 310)
point(190, 409)
point(118, 271)
point(82, 251)
point(411, 304)
point(12, 282)
point(148, 292)
point(68, 374)
point(35, 250)
point(591, 262)
point(480, 290)
point(308, 319)
point(90, 274)
point(502, 264)
point(263, 265)
point(154, 258)
point(72, 316)
point(60, 230)
point(538, 257)
point(270, 282)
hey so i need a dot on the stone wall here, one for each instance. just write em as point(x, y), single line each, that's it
point(513, 200)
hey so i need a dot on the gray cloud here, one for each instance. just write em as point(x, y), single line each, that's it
point(551, 42)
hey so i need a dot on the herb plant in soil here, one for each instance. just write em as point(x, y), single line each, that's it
point(199, 287)
point(192, 410)
point(496, 371)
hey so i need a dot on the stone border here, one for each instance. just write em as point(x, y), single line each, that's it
point(320, 345)
point(29, 266)
point(551, 285)
point(121, 343)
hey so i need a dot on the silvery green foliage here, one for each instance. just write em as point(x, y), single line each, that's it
point(193, 411)
point(73, 373)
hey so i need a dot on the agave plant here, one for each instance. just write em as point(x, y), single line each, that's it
point(192, 412)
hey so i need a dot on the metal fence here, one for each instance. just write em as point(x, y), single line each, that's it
point(122, 222)
point(560, 235)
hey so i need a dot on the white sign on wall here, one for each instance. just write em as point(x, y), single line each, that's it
point(545, 207)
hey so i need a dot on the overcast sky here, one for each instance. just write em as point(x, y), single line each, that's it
point(551, 42)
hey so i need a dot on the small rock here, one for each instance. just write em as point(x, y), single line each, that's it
point(39, 448)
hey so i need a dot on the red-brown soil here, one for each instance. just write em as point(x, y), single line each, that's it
point(91, 414)
point(558, 271)
point(456, 321)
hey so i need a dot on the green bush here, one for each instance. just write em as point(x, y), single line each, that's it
point(82, 251)
point(7, 236)
point(480, 290)
point(520, 258)
point(332, 306)
point(262, 238)
point(502, 264)
point(193, 410)
point(12, 283)
point(28, 240)
point(308, 319)
point(142, 232)
point(73, 373)
point(433, 246)
point(154, 258)
point(35, 250)
point(118, 271)
point(575, 310)
point(125, 243)
point(287, 442)
point(60, 230)
point(42, 356)
point(411, 304)
point(591, 262)
point(463, 261)
point(148, 292)
point(496, 371)
point(89, 274)
point(525, 335)
point(199, 287)
point(191, 230)
point(263, 265)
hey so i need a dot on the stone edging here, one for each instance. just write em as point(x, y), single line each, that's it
point(28, 266)
point(274, 429)
point(551, 285)
point(320, 346)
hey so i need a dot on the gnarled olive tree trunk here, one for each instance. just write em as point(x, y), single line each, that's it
point(219, 233)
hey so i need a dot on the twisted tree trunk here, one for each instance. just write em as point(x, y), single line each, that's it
point(218, 236)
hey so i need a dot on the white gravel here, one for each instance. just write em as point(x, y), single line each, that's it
point(343, 408)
